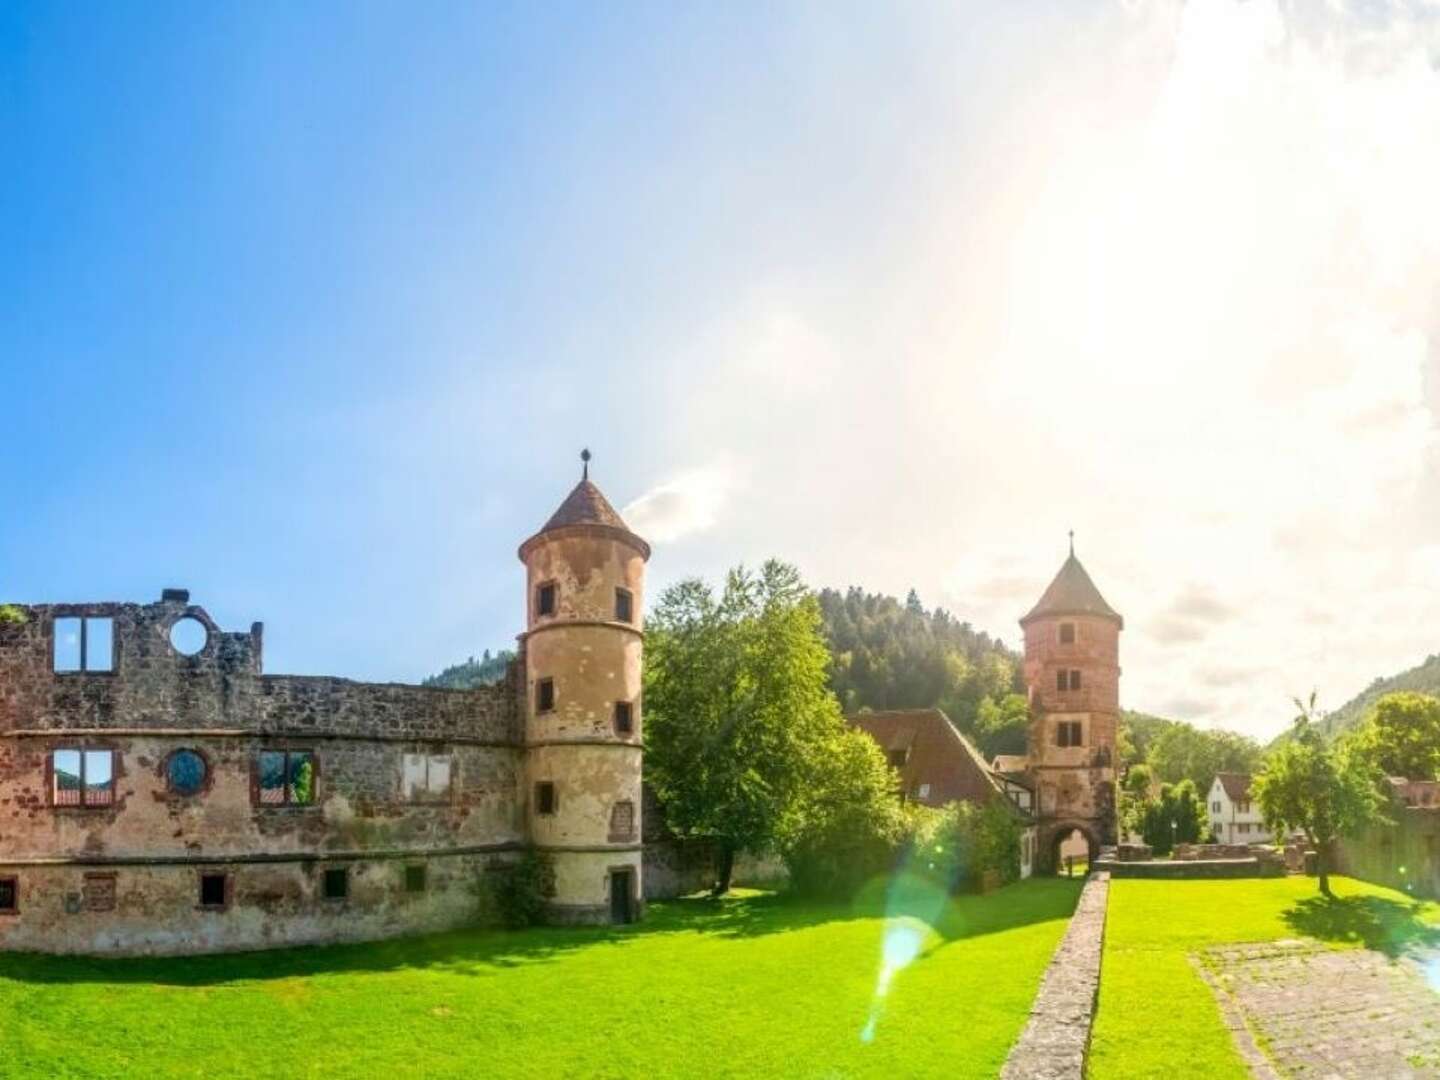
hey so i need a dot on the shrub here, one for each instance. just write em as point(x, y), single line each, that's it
point(514, 896)
point(850, 826)
point(12, 615)
point(966, 842)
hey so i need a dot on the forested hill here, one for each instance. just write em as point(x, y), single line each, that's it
point(1422, 679)
point(886, 654)
point(488, 669)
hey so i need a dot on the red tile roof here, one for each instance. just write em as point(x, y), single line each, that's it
point(935, 754)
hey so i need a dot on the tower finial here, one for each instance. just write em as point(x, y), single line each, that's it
point(585, 464)
point(1072, 543)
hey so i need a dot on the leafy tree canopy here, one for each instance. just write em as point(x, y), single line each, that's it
point(1321, 790)
point(1401, 736)
point(741, 725)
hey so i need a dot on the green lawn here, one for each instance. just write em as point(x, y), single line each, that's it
point(1157, 1018)
point(751, 986)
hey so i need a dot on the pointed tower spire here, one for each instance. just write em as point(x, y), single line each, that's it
point(585, 464)
point(1072, 543)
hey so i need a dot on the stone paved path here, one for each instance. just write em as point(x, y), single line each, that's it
point(1057, 1036)
point(1329, 1014)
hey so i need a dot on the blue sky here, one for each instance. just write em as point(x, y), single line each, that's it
point(310, 309)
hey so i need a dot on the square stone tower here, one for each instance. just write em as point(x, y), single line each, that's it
point(1072, 672)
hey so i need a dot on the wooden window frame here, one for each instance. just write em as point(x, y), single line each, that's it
point(541, 686)
point(1069, 734)
point(540, 590)
point(82, 750)
point(554, 793)
point(13, 880)
point(625, 596)
point(287, 803)
point(227, 888)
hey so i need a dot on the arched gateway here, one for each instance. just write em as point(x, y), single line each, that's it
point(1072, 673)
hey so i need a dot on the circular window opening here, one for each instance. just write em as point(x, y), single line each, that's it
point(189, 636)
point(185, 772)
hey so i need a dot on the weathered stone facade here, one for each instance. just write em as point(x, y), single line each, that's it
point(154, 800)
point(1072, 672)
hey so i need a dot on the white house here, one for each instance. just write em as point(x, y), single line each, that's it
point(1235, 819)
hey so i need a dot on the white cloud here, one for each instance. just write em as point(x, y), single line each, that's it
point(690, 502)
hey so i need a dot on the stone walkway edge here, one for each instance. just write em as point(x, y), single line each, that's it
point(1056, 1038)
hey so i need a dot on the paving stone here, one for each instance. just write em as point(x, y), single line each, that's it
point(1056, 1038)
point(1327, 1013)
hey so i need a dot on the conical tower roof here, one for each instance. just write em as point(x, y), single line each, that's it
point(1072, 593)
point(585, 505)
point(587, 508)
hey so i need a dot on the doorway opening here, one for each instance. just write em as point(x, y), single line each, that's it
point(622, 896)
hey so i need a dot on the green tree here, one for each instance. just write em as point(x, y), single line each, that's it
point(1176, 817)
point(1001, 727)
point(1401, 736)
point(738, 709)
point(1182, 752)
point(847, 823)
point(1320, 790)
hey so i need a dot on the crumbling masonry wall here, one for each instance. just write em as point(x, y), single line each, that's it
point(124, 877)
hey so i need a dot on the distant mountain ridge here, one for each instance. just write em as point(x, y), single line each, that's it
point(1424, 678)
point(472, 673)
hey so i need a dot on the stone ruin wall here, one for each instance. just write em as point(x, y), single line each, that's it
point(125, 877)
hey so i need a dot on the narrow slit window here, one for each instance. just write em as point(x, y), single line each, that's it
point(545, 695)
point(9, 895)
point(1074, 679)
point(624, 718)
point(545, 801)
point(624, 605)
point(545, 599)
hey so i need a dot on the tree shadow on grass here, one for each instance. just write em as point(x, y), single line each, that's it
point(486, 953)
point(476, 952)
point(1393, 927)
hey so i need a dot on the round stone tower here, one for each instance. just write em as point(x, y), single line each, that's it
point(581, 650)
point(1072, 671)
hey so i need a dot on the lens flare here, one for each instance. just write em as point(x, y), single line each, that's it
point(914, 904)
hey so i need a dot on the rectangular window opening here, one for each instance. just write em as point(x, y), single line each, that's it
point(545, 695)
point(1067, 633)
point(84, 644)
point(624, 718)
point(545, 599)
point(337, 883)
point(1074, 679)
point(212, 890)
point(9, 895)
point(82, 777)
point(622, 821)
point(286, 778)
point(545, 800)
point(1062, 680)
point(624, 605)
point(415, 879)
point(426, 776)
